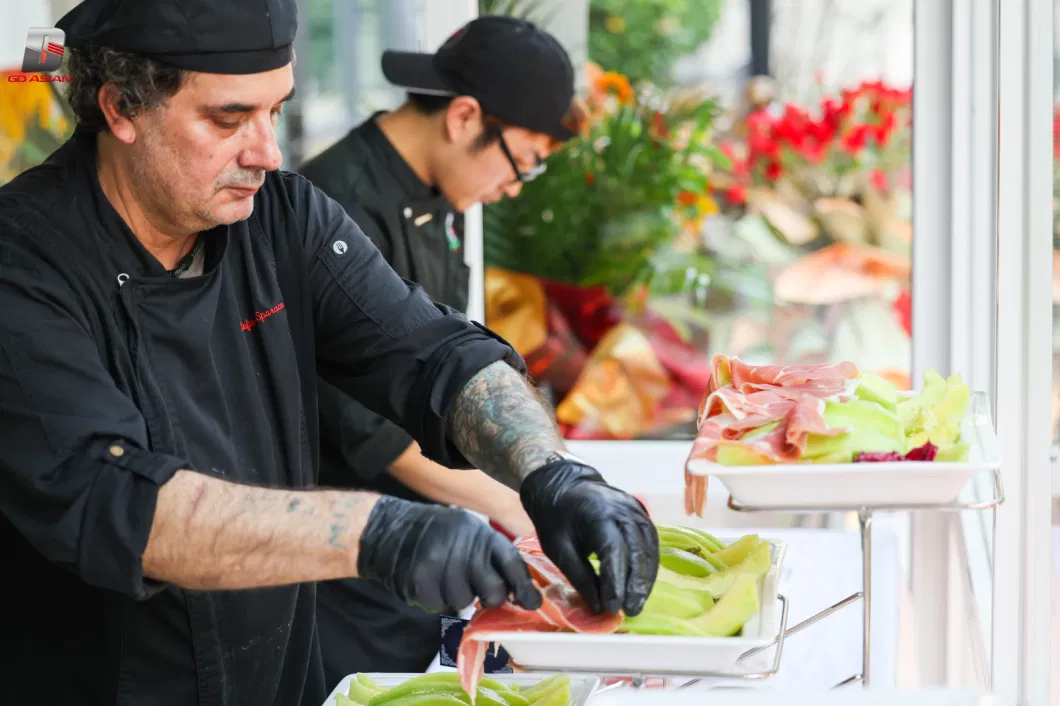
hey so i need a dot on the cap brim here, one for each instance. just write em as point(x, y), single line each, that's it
point(414, 72)
point(572, 123)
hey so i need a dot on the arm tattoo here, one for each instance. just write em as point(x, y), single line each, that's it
point(502, 425)
point(340, 521)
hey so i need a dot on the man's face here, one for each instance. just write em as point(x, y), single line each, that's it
point(202, 155)
point(469, 173)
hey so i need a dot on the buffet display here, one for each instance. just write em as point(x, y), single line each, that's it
point(831, 436)
point(713, 601)
point(821, 436)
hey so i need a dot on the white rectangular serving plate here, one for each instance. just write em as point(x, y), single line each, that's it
point(581, 687)
point(647, 654)
point(753, 697)
point(856, 485)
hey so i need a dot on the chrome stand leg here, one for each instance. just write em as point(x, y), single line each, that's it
point(865, 520)
point(846, 682)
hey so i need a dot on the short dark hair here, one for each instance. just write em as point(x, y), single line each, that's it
point(143, 83)
point(431, 104)
point(428, 103)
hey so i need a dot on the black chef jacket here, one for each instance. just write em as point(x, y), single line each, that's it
point(362, 627)
point(114, 375)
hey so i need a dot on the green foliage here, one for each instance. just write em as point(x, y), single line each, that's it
point(643, 38)
point(606, 211)
point(540, 12)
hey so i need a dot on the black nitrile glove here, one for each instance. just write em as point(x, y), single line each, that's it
point(439, 557)
point(577, 514)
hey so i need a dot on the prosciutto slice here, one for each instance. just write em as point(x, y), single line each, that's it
point(562, 610)
point(741, 398)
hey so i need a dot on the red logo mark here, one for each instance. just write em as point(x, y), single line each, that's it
point(259, 316)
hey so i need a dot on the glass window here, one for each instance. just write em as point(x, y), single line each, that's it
point(341, 82)
point(709, 210)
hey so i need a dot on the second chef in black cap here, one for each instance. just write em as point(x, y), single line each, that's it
point(481, 116)
point(169, 299)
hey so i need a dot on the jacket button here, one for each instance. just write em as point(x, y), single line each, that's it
point(116, 450)
point(408, 212)
point(339, 246)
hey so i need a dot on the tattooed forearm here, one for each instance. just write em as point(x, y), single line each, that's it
point(502, 425)
point(209, 533)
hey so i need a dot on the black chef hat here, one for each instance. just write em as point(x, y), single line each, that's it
point(212, 36)
point(518, 73)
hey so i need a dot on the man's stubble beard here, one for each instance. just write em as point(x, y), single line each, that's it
point(150, 167)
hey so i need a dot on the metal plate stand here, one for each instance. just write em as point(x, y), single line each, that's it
point(865, 514)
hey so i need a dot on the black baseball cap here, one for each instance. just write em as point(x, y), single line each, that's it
point(212, 36)
point(517, 72)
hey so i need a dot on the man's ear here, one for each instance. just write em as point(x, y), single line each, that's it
point(109, 101)
point(463, 120)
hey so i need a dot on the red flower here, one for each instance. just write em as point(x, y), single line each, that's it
point(833, 112)
point(763, 146)
point(774, 171)
point(882, 130)
point(758, 122)
point(903, 309)
point(1056, 133)
point(736, 195)
point(878, 179)
point(873, 88)
point(857, 138)
point(590, 178)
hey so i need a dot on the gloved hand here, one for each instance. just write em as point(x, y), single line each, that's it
point(439, 557)
point(577, 514)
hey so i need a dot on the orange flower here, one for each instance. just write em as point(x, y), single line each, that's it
point(687, 198)
point(614, 83)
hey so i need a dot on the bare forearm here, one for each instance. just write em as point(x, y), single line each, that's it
point(502, 425)
point(211, 534)
point(471, 489)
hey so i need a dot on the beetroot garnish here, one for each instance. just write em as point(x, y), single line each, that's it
point(921, 453)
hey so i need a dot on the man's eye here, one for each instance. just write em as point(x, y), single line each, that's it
point(226, 124)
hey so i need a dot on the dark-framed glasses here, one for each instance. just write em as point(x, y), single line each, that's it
point(520, 176)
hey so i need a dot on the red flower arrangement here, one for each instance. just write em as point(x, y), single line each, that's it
point(845, 130)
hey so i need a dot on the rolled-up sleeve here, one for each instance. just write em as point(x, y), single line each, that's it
point(380, 338)
point(76, 478)
point(355, 441)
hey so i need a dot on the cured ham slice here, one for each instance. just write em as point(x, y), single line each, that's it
point(741, 374)
point(562, 610)
point(471, 656)
point(742, 398)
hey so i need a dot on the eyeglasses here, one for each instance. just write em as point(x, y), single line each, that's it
point(520, 176)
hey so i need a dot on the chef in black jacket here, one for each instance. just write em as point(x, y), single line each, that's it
point(399, 175)
point(169, 299)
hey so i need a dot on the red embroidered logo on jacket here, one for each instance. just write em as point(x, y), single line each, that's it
point(259, 316)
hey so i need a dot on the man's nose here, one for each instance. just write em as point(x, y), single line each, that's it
point(263, 152)
point(512, 190)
